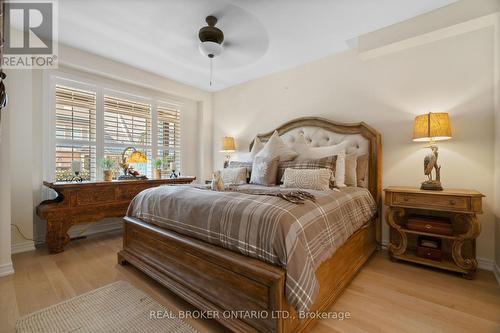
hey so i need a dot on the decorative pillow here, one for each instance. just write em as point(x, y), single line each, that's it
point(235, 176)
point(256, 147)
point(275, 147)
point(340, 170)
point(362, 170)
point(313, 179)
point(322, 163)
point(238, 164)
point(264, 171)
point(306, 152)
point(350, 169)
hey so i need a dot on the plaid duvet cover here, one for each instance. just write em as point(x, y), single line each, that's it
point(296, 237)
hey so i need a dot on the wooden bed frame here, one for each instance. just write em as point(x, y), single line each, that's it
point(215, 279)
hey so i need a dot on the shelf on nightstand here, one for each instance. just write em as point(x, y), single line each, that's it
point(422, 233)
point(410, 255)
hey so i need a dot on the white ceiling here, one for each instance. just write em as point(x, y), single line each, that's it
point(261, 36)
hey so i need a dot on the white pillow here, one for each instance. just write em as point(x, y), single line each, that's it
point(306, 152)
point(340, 169)
point(351, 161)
point(312, 179)
point(256, 148)
point(275, 147)
point(235, 176)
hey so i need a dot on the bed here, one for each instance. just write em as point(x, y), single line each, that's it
point(249, 294)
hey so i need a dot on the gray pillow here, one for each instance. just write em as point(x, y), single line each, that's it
point(275, 147)
point(264, 171)
point(247, 165)
point(234, 176)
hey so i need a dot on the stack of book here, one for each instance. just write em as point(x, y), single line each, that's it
point(430, 247)
point(430, 224)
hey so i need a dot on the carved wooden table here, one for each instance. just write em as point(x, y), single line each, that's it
point(90, 202)
point(461, 206)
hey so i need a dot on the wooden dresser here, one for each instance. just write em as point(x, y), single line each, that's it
point(460, 206)
point(90, 202)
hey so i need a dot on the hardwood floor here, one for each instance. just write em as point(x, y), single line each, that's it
point(383, 297)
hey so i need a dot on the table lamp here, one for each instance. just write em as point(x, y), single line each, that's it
point(134, 156)
point(228, 147)
point(432, 127)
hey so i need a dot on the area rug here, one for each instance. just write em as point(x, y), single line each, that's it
point(116, 307)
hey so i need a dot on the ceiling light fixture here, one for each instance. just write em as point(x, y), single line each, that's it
point(211, 39)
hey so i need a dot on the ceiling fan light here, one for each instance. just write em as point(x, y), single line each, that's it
point(210, 49)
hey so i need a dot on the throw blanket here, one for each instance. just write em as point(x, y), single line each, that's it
point(295, 196)
point(296, 237)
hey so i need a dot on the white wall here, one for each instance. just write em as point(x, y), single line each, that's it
point(21, 155)
point(497, 147)
point(451, 75)
point(5, 261)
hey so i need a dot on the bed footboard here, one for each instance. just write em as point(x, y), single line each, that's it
point(215, 279)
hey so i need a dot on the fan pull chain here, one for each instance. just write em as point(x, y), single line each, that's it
point(211, 70)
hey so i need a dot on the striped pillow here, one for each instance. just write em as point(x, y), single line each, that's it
point(320, 163)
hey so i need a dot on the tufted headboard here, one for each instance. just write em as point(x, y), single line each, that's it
point(357, 137)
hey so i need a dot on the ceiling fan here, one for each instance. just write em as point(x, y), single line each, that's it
point(211, 39)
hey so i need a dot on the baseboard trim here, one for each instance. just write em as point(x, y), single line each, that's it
point(496, 272)
point(22, 247)
point(486, 264)
point(6, 269)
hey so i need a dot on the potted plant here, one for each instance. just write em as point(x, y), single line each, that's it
point(157, 163)
point(107, 166)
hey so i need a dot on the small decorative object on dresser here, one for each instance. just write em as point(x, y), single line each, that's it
point(228, 147)
point(173, 175)
point(107, 166)
point(419, 218)
point(131, 155)
point(157, 163)
point(76, 167)
point(432, 127)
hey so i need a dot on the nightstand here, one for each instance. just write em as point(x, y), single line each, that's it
point(460, 206)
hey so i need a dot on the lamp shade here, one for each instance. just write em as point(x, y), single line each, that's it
point(432, 127)
point(228, 144)
point(137, 157)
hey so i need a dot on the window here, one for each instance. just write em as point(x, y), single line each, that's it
point(169, 137)
point(94, 123)
point(127, 124)
point(75, 132)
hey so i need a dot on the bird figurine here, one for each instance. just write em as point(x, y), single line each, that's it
point(430, 163)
